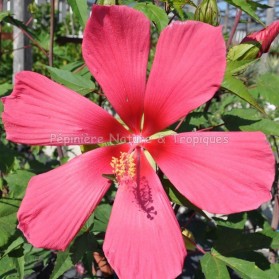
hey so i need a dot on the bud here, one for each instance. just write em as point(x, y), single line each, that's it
point(207, 12)
point(263, 37)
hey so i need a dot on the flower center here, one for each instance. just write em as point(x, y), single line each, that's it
point(124, 167)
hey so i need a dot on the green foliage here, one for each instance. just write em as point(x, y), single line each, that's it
point(249, 120)
point(237, 87)
point(101, 217)
point(8, 220)
point(267, 87)
point(75, 82)
point(213, 268)
point(248, 7)
point(154, 13)
point(62, 264)
point(80, 10)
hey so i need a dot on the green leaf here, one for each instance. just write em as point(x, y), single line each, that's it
point(245, 269)
point(8, 220)
point(236, 67)
point(234, 221)
point(177, 198)
point(244, 52)
point(154, 13)
point(7, 158)
point(3, 15)
point(213, 268)
point(248, 120)
point(62, 264)
point(71, 80)
point(80, 9)
point(239, 241)
point(5, 89)
point(14, 245)
point(247, 7)
point(267, 87)
point(102, 214)
point(82, 244)
point(17, 182)
point(19, 265)
point(274, 235)
point(7, 268)
point(15, 22)
point(238, 88)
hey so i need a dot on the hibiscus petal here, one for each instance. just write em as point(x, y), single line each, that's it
point(115, 48)
point(42, 112)
point(188, 69)
point(143, 239)
point(217, 171)
point(57, 203)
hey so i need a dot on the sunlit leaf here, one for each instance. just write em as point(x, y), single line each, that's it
point(238, 88)
point(154, 13)
point(80, 9)
point(62, 264)
point(17, 182)
point(267, 87)
point(8, 220)
point(102, 214)
point(246, 269)
point(247, 7)
point(248, 120)
point(71, 80)
point(213, 268)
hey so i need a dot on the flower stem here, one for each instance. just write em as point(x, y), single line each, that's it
point(236, 22)
point(50, 57)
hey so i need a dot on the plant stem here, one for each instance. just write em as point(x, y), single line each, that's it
point(179, 124)
point(50, 56)
point(236, 22)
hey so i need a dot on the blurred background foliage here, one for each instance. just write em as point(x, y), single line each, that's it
point(243, 245)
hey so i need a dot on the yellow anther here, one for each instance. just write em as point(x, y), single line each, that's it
point(124, 167)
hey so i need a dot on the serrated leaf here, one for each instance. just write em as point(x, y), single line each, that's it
point(247, 7)
point(17, 182)
point(238, 88)
point(102, 214)
point(62, 264)
point(244, 120)
point(246, 269)
point(8, 220)
point(154, 13)
point(71, 80)
point(80, 9)
point(267, 87)
point(213, 268)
